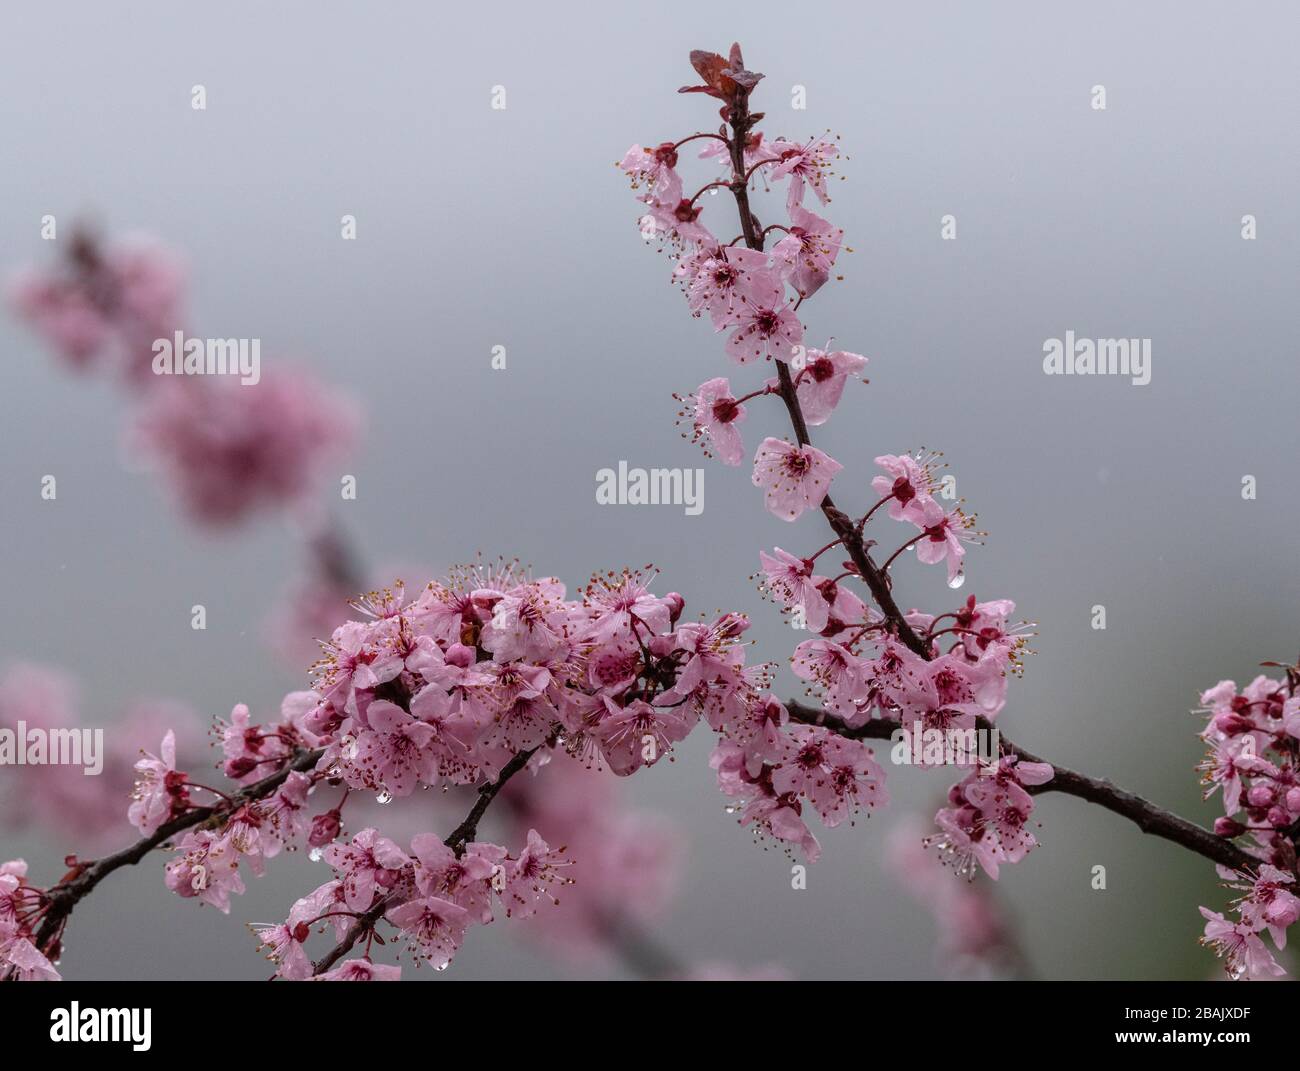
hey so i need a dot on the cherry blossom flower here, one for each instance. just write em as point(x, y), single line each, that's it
point(531, 878)
point(206, 867)
point(652, 168)
point(25, 960)
point(728, 279)
point(908, 486)
point(838, 776)
point(1240, 948)
point(819, 384)
point(791, 580)
point(161, 793)
point(369, 863)
point(807, 164)
point(766, 326)
point(808, 251)
point(944, 533)
point(361, 970)
point(793, 478)
point(717, 417)
point(393, 753)
point(435, 926)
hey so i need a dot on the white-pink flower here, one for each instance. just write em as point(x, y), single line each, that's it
point(793, 478)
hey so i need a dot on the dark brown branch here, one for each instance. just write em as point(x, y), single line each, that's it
point(455, 840)
point(63, 897)
point(874, 577)
point(1144, 814)
point(1147, 816)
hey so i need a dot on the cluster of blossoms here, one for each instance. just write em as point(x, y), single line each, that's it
point(105, 306)
point(1254, 763)
point(20, 904)
point(625, 862)
point(858, 666)
point(473, 679)
point(226, 449)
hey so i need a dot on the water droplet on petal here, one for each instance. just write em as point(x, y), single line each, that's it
point(384, 796)
point(957, 579)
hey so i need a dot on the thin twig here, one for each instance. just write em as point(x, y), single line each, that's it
point(456, 841)
point(849, 533)
point(1146, 815)
point(1143, 813)
point(63, 897)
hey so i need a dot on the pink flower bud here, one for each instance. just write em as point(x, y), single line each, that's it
point(1261, 796)
point(1231, 724)
point(324, 828)
point(1227, 827)
point(240, 767)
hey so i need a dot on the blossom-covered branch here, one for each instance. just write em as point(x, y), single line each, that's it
point(231, 450)
point(49, 909)
point(879, 670)
point(479, 677)
point(1144, 814)
point(456, 841)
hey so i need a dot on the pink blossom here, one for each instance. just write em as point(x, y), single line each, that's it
point(792, 581)
point(842, 675)
point(808, 163)
point(370, 862)
point(639, 734)
point(793, 478)
point(285, 951)
point(394, 752)
point(766, 326)
point(808, 251)
point(360, 970)
point(535, 876)
point(621, 605)
point(465, 880)
point(908, 486)
point(838, 776)
point(25, 960)
point(728, 279)
point(436, 928)
point(673, 216)
point(717, 416)
point(943, 535)
point(161, 793)
point(207, 867)
point(105, 305)
point(652, 168)
point(819, 383)
point(1240, 948)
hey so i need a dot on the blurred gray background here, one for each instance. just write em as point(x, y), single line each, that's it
point(480, 227)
